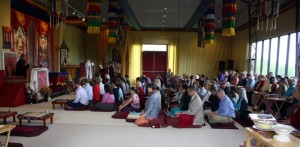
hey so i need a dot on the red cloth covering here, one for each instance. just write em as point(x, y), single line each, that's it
point(141, 95)
point(295, 118)
point(186, 120)
point(96, 93)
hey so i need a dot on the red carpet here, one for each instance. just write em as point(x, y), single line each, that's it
point(120, 115)
point(28, 131)
point(10, 144)
point(221, 125)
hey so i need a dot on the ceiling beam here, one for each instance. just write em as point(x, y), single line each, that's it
point(201, 9)
point(124, 5)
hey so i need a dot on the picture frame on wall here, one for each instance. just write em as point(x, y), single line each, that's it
point(7, 37)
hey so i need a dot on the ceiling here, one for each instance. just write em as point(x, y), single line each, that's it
point(148, 14)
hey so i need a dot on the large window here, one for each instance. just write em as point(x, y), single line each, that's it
point(277, 55)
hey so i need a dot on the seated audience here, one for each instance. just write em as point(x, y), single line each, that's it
point(96, 90)
point(282, 87)
point(291, 101)
point(225, 113)
point(294, 118)
point(226, 87)
point(88, 88)
point(101, 85)
point(108, 100)
point(195, 110)
point(132, 103)
point(241, 106)
point(235, 80)
point(250, 82)
point(184, 102)
point(141, 94)
point(81, 99)
point(153, 106)
point(213, 101)
point(243, 80)
point(116, 93)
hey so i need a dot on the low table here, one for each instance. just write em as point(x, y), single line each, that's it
point(62, 102)
point(6, 128)
point(36, 116)
point(6, 114)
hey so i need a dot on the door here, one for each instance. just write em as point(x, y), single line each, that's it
point(154, 63)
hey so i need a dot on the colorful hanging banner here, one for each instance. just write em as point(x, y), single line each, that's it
point(229, 13)
point(113, 21)
point(209, 25)
point(93, 10)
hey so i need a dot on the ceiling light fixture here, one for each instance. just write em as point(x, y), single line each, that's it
point(75, 11)
point(83, 19)
point(164, 15)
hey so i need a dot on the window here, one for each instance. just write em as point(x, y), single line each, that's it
point(282, 55)
point(273, 55)
point(281, 60)
point(154, 48)
point(258, 57)
point(265, 57)
point(292, 59)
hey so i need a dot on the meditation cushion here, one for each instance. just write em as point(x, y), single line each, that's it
point(22, 129)
point(120, 115)
point(222, 124)
point(185, 120)
point(172, 120)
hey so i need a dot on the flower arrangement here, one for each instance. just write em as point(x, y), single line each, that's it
point(29, 91)
point(46, 91)
point(61, 84)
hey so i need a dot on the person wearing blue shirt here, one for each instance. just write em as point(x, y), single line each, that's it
point(225, 113)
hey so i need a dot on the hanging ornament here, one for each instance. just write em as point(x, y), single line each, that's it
point(52, 11)
point(229, 13)
point(93, 10)
point(113, 21)
point(209, 26)
point(201, 33)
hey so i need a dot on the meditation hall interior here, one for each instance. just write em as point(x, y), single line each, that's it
point(144, 73)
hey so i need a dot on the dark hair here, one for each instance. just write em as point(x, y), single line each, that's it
point(96, 80)
point(201, 83)
point(153, 86)
point(77, 81)
point(126, 76)
point(191, 88)
point(184, 86)
point(85, 80)
point(272, 79)
point(107, 89)
point(134, 89)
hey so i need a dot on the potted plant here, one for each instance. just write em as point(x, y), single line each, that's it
point(45, 92)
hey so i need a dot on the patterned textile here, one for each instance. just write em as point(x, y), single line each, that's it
point(93, 10)
point(209, 26)
point(229, 13)
point(113, 21)
point(34, 115)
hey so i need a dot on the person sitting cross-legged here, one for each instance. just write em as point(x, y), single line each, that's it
point(194, 116)
point(108, 100)
point(81, 99)
point(225, 112)
point(132, 103)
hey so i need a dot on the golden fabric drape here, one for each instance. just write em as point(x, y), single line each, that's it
point(194, 60)
point(124, 50)
point(102, 43)
point(173, 56)
point(135, 59)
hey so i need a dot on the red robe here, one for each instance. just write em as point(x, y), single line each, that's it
point(295, 118)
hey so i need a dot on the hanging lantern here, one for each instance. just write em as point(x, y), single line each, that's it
point(209, 26)
point(93, 11)
point(113, 21)
point(229, 13)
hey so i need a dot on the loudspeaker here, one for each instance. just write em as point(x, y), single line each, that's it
point(222, 65)
point(230, 64)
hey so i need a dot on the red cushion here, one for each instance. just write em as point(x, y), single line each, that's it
point(172, 120)
point(186, 120)
point(22, 129)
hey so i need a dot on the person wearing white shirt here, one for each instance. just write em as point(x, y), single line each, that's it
point(101, 85)
point(81, 99)
point(88, 88)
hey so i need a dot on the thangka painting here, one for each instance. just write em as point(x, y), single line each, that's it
point(19, 41)
point(7, 37)
point(9, 63)
point(43, 42)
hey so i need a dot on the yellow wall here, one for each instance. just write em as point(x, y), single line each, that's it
point(191, 59)
point(91, 49)
point(75, 39)
point(285, 24)
point(4, 21)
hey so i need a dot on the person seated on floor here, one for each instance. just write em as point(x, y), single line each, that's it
point(194, 112)
point(81, 99)
point(184, 102)
point(225, 86)
point(294, 118)
point(115, 90)
point(243, 80)
point(96, 90)
point(153, 106)
point(290, 100)
point(213, 101)
point(201, 91)
point(108, 100)
point(132, 103)
point(225, 112)
point(282, 87)
point(101, 86)
point(88, 88)
point(241, 105)
point(141, 94)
